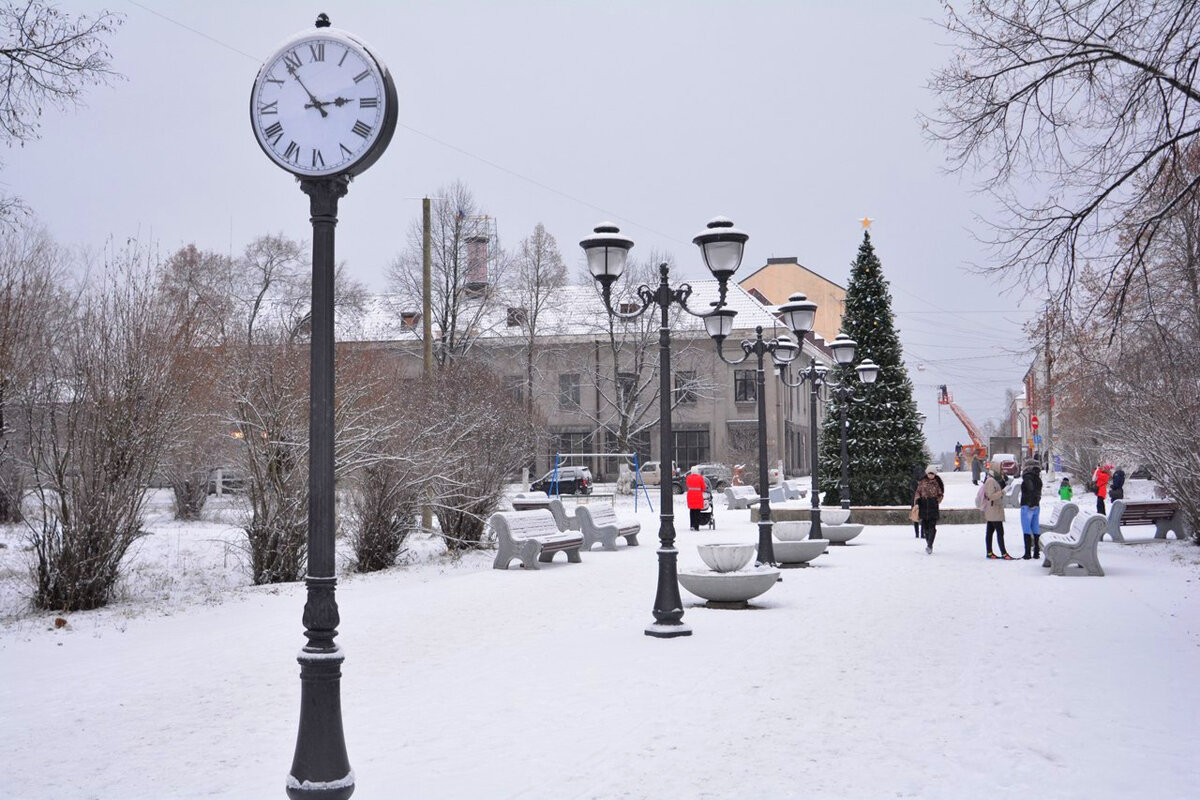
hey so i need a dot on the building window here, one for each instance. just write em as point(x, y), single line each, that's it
point(409, 320)
point(691, 448)
point(628, 307)
point(568, 390)
point(685, 387)
point(626, 387)
point(514, 386)
point(745, 386)
point(517, 317)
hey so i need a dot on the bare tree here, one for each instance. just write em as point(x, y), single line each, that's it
point(98, 419)
point(537, 273)
point(626, 380)
point(48, 57)
point(1071, 108)
point(30, 274)
point(467, 267)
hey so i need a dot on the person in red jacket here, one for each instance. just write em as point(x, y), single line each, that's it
point(695, 497)
point(1100, 478)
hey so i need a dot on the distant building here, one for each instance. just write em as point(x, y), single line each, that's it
point(575, 384)
point(783, 277)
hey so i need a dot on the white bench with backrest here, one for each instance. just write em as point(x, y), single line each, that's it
point(600, 524)
point(1164, 515)
point(1060, 519)
point(793, 490)
point(740, 496)
point(565, 521)
point(528, 501)
point(1012, 493)
point(1076, 546)
point(531, 536)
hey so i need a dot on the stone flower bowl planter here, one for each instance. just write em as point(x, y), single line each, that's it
point(729, 589)
point(840, 534)
point(726, 557)
point(794, 531)
point(834, 516)
point(798, 554)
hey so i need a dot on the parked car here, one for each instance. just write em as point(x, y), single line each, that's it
point(719, 475)
point(571, 480)
point(1006, 462)
point(652, 472)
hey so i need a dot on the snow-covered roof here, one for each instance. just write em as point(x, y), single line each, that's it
point(573, 310)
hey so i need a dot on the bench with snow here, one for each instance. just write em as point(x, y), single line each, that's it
point(1076, 546)
point(528, 501)
point(740, 496)
point(1164, 515)
point(1012, 493)
point(1060, 519)
point(793, 490)
point(600, 524)
point(531, 536)
point(565, 521)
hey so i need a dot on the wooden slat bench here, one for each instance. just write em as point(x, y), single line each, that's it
point(600, 524)
point(1076, 546)
point(1164, 515)
point(740, 496)
point(531, 536)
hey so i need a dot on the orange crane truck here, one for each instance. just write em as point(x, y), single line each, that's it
point(976, 448)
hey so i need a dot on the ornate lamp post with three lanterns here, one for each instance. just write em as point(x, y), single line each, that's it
point(721, 246)
point(798, 313)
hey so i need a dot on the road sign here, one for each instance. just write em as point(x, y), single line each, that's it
point(1033, 421)
point(1037, 438)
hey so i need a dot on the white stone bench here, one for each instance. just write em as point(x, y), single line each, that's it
point(1164, 515)
point(600, 524)
point(1060, 519)
point(740, 496)
point(565, 521)
point(531, 536)
point(1012, 493)
point(1076, 546)
point(528, 501)
point(793, 490)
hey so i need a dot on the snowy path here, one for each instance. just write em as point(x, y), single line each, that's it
point(879, 672)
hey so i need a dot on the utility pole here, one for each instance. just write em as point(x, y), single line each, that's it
point(1049, 397)
point(426, 322)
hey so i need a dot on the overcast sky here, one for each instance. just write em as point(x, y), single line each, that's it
point(793, 118)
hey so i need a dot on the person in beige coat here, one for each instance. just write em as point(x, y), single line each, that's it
point(993, 512)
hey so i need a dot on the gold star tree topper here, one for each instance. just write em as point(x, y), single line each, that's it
point(866, 222)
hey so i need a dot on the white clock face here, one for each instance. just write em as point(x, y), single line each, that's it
point(319, 105)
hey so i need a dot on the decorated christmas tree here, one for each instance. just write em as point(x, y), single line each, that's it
point(884, 436)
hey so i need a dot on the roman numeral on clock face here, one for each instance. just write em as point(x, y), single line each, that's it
point(362, 129)
point(269, 108)
point(317, 159)
point(345, 149)
point(318, 51)
point(362, 75)
point(274, 132)
point(368, 102)
point(292, 153)
point(291, 60)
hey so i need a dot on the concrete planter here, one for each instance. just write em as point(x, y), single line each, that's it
point(794, 531)
point(726, 557)
point(798, 554)
point(728, 589)
point(840, 534)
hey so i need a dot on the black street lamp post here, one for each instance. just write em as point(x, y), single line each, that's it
point(798, 314)
point(845, 396)
point(719, 324)
point(721, 245)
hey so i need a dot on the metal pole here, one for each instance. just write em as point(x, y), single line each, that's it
point(426, 322)
point(766, 548)
point(320, 767)
point(845, 487)
point(668, 605)
point(814, 531)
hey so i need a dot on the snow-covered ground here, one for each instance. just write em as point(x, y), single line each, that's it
point(879, 672)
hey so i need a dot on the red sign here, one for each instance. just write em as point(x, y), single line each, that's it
point(1033, 421)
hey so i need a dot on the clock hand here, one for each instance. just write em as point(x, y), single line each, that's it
point(317, 104)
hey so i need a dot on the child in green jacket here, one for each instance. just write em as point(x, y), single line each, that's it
point(1064, 489)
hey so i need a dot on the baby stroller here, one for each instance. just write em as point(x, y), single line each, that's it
point(706, 514)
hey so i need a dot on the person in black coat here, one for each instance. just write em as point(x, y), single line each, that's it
point(1116, 485)
point(917, 473)
point(1031, 500)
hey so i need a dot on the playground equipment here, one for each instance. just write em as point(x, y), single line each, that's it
point(976, 448)
point(561, 459)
